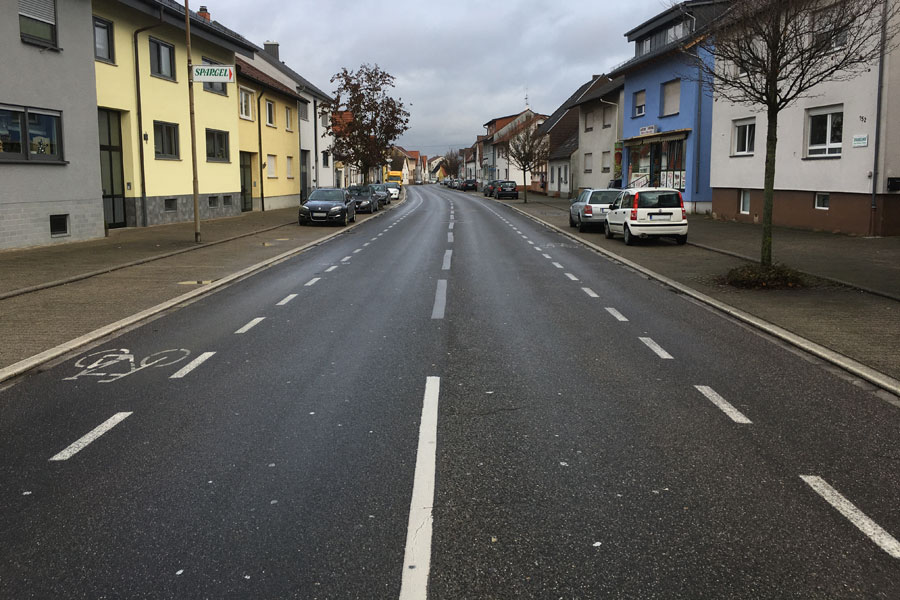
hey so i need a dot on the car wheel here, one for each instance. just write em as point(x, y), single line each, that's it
point(607, 231)
point(582, 226)
point(681, 240)
point(571, 221)
point(626, 233)
point(346, 217)
point(353, 218)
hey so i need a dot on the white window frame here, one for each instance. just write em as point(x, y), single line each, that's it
point(819, 205)
point(288, 119)
point(607, 110)
point(605, 161)
point(246, 93)
point(749, 139)
point(270, 113)
point(289, 167)
point(271, 166)
point(640, 109)
point(589, 120)
point(744, 195)
point(829, 148)
point(304, 111)
point(589, 162)
point(674, 84)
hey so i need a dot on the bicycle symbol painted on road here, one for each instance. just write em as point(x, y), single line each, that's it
point(116, 363)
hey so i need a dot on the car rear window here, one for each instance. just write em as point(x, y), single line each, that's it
point(603, 197)
point(507, 185)
point(659, 200)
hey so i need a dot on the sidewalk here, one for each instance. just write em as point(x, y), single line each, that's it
point(864, 326)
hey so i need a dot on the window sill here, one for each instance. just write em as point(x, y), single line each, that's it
point(823, 157)
point(674, 114)
point(588, 170)
point(22, 161)
point(163, 77)
point(246, 118)
point(105, 61)
point(60, 235)
point(217, 93)
point(42, 44)
point(219, 160)
point(740, 155)
point(272, 125)
point(744, 213)
point(607, 125)
point(587, 129)
point(821, 208)
point(171, 158)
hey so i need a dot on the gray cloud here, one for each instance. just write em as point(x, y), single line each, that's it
point(457, 65)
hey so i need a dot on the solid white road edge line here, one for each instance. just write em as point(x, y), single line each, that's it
point(82, 443)
point(286, 299)
point(250, 325)
point(885, 541)
point(311, 281)
point(619, 316)
point(723, 404)
point(417, 556)
point(447, 256)
point(192, 365)
point(655, 347)
point(440, 300)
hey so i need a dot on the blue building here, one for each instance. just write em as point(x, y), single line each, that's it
point(668, 109)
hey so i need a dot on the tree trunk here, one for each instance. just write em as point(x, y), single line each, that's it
point(769, 191)
point(525, 184)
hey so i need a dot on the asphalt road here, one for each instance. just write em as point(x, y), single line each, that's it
point(450, 395)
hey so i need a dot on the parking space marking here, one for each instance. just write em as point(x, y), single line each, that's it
point(572, 277)
point(192, 365)
point(82, 443)
point(440, 300)
point(286, 299)
point(417, 555)
point(311, 281)
point(250, 325)
point(331, 268)
point(558, 266)
point(656, 348)
point(873, 531)
point(446, 265)
point(733, 413)
point(590, 292)
point(619, 316)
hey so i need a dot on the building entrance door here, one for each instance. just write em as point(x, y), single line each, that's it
point(246, 167)
point(111, 176)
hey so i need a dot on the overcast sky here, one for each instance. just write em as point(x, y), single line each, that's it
point(457, 64)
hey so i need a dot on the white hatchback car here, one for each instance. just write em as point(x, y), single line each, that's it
point(647, 212)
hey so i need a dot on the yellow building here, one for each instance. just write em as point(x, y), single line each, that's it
point(144, 115)
point(269, 135)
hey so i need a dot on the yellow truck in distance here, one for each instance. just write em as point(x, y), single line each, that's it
point(395, 176)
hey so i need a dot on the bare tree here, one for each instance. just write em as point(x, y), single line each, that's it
point(769, 53)
point(527, 150)
point(452, 162)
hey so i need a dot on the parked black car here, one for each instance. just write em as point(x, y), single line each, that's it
point(379, 190)
point(364, 198)
point(488, 189)
point(506, 189)
point(328, 205)
point(468, 184)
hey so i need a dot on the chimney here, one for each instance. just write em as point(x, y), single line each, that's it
point(272, 49)
point(203, 13)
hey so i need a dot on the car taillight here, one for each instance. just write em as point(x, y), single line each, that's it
point(634, 208)
point(588, 211)
point(683, 212)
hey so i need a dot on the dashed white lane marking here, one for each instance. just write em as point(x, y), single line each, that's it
point(529, 241)
point(250, 325)
point(451, 226)
point(346, 258)
point(358, 250)
point(590, 292)
point(381, 234)
point(619, 316)
point(286, 299)
point(440, 300)
point(450, 237)
point(192, 365)
point(733, 413)
point(538, 249)
point(547, 256)
point(417, 556)
point(655, 347)
point(82, 443)
point(447, 255)
point(366, 244)
point(331, 268)
point(885, 541)
point(311, 281)
point(558, 266)
point(374, 239)
point(572, 277)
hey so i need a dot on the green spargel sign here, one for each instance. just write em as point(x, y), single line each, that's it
point(214, 73)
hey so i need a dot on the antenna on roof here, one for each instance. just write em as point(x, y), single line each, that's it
point(526, 98)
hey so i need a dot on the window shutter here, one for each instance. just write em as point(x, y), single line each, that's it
point(671, 97)
point(42, 10)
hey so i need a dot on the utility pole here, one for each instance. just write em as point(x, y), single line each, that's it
point(190, 65)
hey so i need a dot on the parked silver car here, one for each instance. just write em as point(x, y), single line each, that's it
point(589, 208)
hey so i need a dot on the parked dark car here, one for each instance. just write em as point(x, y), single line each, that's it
point(364, 198)
point(468, 184)
point(506, 189)
point(328, 205)
point(381, 193)
point(488, 189)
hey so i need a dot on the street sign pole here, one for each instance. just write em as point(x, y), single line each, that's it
point(187, 33)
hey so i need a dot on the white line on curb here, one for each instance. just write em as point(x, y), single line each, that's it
point(885, 541)
point(192, 365)
point(619, 316)
point(250, 325)
point(655, 347)
point(80, 445)
point(286, 299)
point(723, 404)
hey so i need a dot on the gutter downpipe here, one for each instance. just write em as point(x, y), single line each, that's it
point(699, 137)
point(878, 116)
point(262, 187)
point(140, 115)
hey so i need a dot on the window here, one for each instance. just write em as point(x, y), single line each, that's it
point(671, 93)
point(162, 59)
point(589, 120)
point(165, 139)
point(217, 146)
point(270, 113)
point(823, 199)
point(640, 101)
point(588, 162)
point(565, 173)
point(825, 131)
point(288, 119)
point(289, 167)
point(246, 103)
point(744, 136)
point(643, 47)
point(675, 32)
point(324, 120)
point(171, 204)
point(828, 34)
point(104, 48)
point(607, 117)
point(605, 161)
point(270, 166)
point(551, 175)
point(745, 202)
point(59, 225)
point(325, 158)
point(37, 21)
point(217, 87)
point(212, 201)
point(304, 111)
point(226, 200)
point(30, 134)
